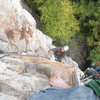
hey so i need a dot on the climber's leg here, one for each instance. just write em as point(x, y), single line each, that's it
point(58, 82)
point(54, 93)
point(67, 59)
point(76, 93)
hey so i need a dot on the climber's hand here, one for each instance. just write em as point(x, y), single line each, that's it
point(62, 60)
point(51, 52)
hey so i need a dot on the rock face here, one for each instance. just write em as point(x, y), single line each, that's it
point(18, 31)
point(6, 97)
point(21, 75)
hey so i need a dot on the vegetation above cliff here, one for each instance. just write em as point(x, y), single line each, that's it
point(64, 19)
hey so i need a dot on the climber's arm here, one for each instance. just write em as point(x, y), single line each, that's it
point(51, 52)
point(54, 50)
point(63, 56)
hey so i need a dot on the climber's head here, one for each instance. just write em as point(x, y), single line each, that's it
point(64, 49)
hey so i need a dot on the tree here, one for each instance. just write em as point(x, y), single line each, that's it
point(63, 19)
point(58, 20)
point(94, 55)
point(88, 14)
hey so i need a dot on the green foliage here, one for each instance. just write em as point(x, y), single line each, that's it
point(94, 55)
point(58, 19)
point(30, 2)
point(63, 19)
point(88, 14)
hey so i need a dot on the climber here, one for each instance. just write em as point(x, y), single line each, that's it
point(61, 91)
point(59, 53)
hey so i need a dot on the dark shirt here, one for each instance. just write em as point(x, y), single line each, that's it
point(58, 53)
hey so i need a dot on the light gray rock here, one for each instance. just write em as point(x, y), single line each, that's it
point(22, 75)
point(7, 97)
point(18, 30)
point(20, 85)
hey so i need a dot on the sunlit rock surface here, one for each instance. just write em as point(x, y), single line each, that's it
point(22, 75)
point(24, 68)
point(18, 30)
point(7, 97)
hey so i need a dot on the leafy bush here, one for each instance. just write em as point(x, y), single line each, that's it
point(58, 19)
point(63, 19)
point(94, 55)
point(88, 15)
